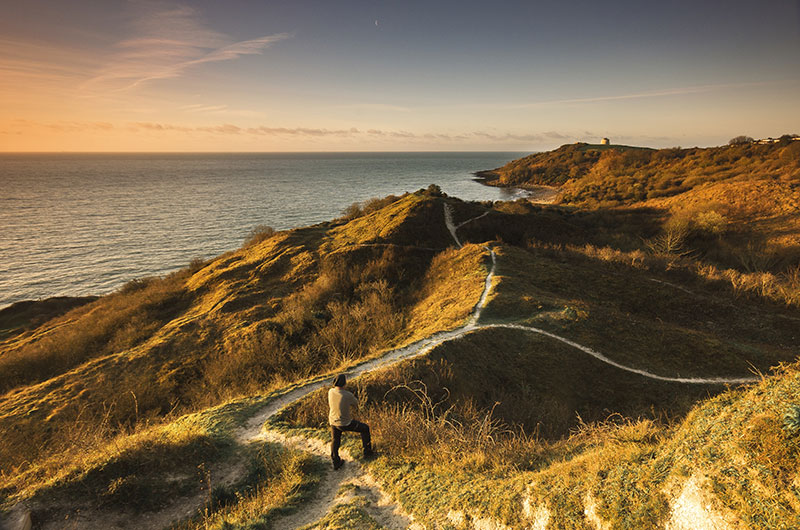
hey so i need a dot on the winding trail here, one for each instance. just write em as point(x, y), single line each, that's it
point(382, 508)
point(599, 356)
point(392, 514)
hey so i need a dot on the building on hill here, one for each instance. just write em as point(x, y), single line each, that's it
point(605, 141)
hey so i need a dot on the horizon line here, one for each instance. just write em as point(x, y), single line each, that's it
point(255, 152)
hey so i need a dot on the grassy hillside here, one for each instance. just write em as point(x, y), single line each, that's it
point(143, 391)
point(295, 304)
point(553, 168)
point(508, 427)
point(736, 206)
point(611, 174)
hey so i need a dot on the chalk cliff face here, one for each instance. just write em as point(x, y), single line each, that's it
point(528, 366)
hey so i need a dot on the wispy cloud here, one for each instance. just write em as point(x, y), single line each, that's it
point(169, 41)
point(62, 126)
point(33, 65)
point(302, 133)
point(380, 107)
point(354, 132)
point(679, 91)
point(160, 41)
point(518, 137)
point(201, 107)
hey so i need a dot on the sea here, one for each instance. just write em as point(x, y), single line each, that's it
point(85, 224)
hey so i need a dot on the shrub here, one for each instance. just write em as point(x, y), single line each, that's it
point(756, 258)
point(710, 223)
point(259, 234)
point(671, 241)
point(357, 209)
point(434, 191)
point(740, 140)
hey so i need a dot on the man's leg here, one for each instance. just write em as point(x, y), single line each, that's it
point(363, 429)
point(336, 440)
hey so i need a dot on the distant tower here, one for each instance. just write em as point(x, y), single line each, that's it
point(605, 141)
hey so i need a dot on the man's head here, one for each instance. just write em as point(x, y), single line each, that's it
point(340, 380)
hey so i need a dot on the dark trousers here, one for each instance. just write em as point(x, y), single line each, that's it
point(354, 426)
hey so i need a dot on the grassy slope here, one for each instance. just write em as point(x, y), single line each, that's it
point(745, 196)
point(553, 168)
point(623, 174)
point(291, 305)
point(248, 321)
point(437, 466)
point(621, 312)
point(28, 315)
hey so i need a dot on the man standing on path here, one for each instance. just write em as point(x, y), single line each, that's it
point(340, 418)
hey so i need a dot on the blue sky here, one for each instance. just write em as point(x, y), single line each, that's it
point(306, 76)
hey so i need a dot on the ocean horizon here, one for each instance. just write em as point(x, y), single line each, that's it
point(77, 224)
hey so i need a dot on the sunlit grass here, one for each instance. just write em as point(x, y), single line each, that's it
point(277, 481)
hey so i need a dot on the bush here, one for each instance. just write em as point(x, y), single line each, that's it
point(670, 242)
point(357, 209)
point(259, 234)
point(434, 191)
point(710, 223)
point(740, 140)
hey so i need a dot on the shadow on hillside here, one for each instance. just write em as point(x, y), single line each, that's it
point(518, 222)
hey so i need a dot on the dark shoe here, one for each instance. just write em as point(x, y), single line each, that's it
point(369, 454)
point(337, 464)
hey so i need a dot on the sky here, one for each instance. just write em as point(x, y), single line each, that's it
point(296, 75)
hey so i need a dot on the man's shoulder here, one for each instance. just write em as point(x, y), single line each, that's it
point(343, 393)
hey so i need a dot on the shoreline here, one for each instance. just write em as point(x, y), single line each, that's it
point(535, 193)
point(153, 223)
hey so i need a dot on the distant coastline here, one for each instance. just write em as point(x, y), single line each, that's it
point(160, 211)
point(533, 192)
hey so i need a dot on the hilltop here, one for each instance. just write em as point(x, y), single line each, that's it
point(743, 196)
point(520, 365)
point(610, 175)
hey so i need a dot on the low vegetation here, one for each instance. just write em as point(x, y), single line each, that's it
point(28, 315)
point(614, 175)
point(297, 303)
point(276, 482)
point(140, 392)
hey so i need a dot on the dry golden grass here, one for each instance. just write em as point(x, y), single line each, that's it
point(277, 480)
point(273, 312)
point(111, 324)
point(308, 301)
point(102, 465)
point(450, 290)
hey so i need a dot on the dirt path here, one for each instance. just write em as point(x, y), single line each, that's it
point(599, 356)
point(327, 498)
point(381, 507)
point(384, 510)
point(451, 227)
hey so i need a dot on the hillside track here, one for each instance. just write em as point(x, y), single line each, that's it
point(254, 430)
point(383, 509)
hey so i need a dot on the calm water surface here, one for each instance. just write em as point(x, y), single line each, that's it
point(85, 224)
